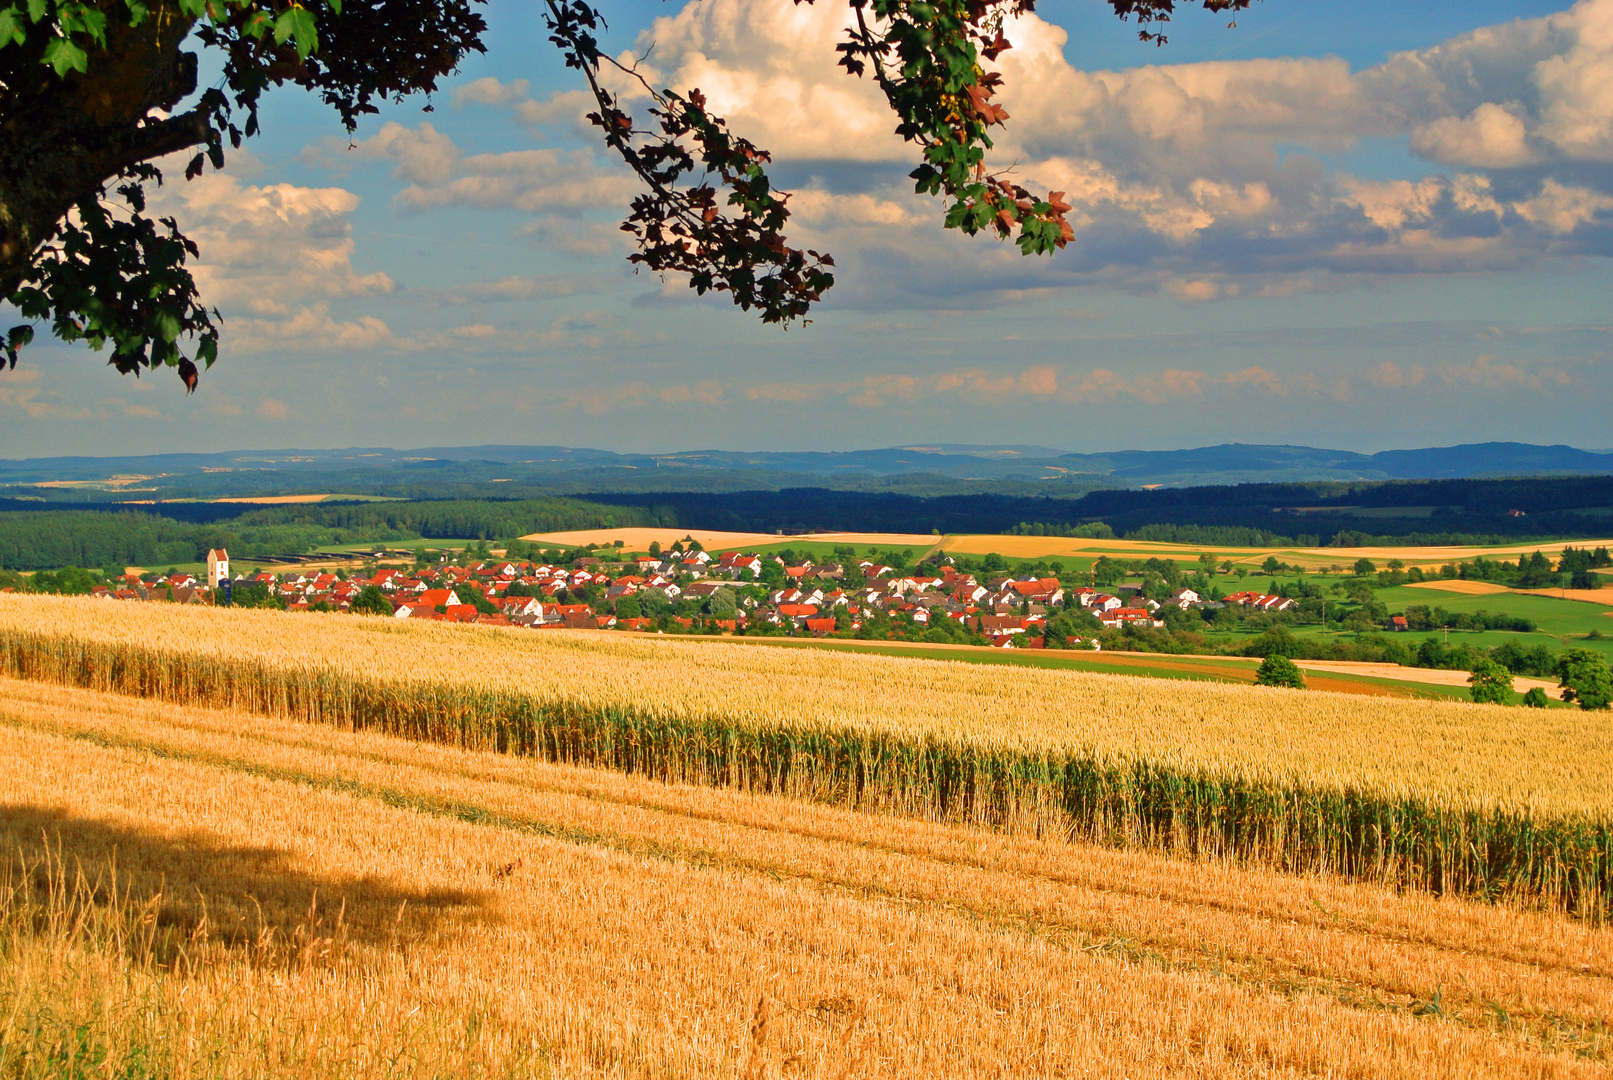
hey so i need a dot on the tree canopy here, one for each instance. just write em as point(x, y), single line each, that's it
point(94, 92)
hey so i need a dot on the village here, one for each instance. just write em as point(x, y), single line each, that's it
point(691, 591)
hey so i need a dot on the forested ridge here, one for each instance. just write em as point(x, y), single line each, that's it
point(46, 539)
point(1259, 515)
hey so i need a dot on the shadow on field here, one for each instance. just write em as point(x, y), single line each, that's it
point(245, 897)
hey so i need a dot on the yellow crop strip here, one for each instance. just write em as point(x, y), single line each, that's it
point(1451, 796)
point(266, 898)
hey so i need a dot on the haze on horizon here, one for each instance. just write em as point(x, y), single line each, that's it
point(1353, 225)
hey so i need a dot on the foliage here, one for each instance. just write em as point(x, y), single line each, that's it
point(112, 78)
point(1220, 535)
point(253, 594)
point(1535, 698)
point(36, 540)
point(370, 601)
point(1584, 677)
point(68, 581)
point(723, 604)
point(1489, 683)
point(88, 100)
point(1277, 670)
point(1090, 530)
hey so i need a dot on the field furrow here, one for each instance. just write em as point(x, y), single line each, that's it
point(1207, 935)
point(1440, 796)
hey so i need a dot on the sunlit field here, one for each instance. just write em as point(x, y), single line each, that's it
point(1445, 796)
point(195, 892)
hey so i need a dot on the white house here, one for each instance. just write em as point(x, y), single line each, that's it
point(218, 567)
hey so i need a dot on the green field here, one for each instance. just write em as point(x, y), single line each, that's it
point(1564, 622)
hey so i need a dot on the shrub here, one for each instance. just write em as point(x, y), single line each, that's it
point(1278, 670)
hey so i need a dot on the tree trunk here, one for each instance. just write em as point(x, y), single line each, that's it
point(63, 138)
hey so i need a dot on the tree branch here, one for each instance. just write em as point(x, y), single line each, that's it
point(162, 138)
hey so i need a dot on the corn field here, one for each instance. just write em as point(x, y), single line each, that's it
point(1507, 804)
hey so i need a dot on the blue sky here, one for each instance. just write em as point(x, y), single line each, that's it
point(1349, 223)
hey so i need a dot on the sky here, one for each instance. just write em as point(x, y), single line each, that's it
point(1360, 224)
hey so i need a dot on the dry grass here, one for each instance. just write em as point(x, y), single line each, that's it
point(1446, 796)
point(298, 900)
point(1457, 585)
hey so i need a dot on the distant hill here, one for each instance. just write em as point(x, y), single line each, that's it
point(934, 469)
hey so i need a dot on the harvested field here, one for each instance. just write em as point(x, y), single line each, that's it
point(1049, 547)
point(637, 539)
point(1045, 547)
point(295, 900)
point(1452, 797)
point(1457, 585)
point(1433, 676)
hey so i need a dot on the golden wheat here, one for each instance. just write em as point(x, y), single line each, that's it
point(1448, 795)
point(295, 899)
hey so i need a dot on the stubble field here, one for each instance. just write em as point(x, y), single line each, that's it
point(291, 899)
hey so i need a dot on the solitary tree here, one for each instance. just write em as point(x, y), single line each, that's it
point(1489, 683)
point(94, 92)
point(1278, 670)
point(1535, 698)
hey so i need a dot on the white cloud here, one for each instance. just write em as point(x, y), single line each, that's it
point(516, 288)
point(1491, 374)
point(265, 248)
point(1175, 171)
point(534, 181)
point(490, 91)
point(311, 329)
point(1490, 136)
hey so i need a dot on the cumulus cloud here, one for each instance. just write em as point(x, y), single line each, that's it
point(1183, 177)
point(1391, 376)
point(312, 329)
point(534, 181)
point(490, 91)
point(1489, 373)
point(1063, 386)
point(265, 248)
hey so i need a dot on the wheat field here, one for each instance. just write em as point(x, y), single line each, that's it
point(1450, 797)
point(195, 892)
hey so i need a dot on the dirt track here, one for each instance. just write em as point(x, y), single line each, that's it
point(1430, 676)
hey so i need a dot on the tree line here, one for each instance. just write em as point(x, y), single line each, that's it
point(46, 540)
